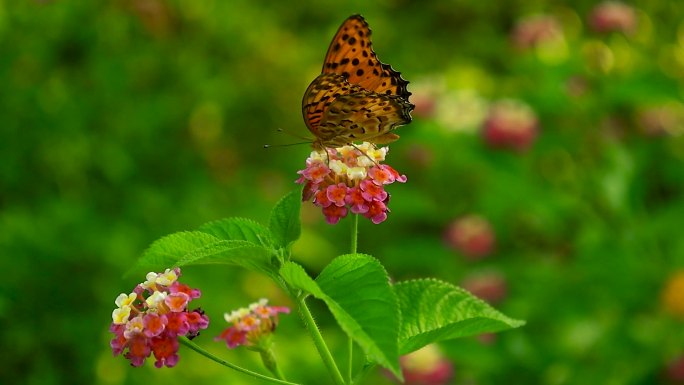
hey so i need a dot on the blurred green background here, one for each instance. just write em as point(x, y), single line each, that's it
point(126, 120)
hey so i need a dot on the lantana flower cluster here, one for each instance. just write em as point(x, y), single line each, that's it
point(150, 319)
point(250, 325)
point(349, 178)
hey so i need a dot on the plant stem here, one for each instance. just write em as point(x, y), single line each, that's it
point(363, 372)
point(322, 348)
point(185, 341)
point(270, 363)
point(354, 232)
point(350, 343)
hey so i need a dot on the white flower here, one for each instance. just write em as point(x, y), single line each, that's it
point(166, 278)
point(357, 173)
point(150, 278)
point(155, 299)
point(120, 315)
point(338, 167)
point(125, 299)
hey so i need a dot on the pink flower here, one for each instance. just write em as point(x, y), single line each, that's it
point(535, 30)
point(401, 178)
point(471, 236)
point(196, 320)
point(178, 287)
point(233, 337)
point(356, 201)
point(371, 191)
point(151, 318)
point(349, 178)
point(490, 287)
point(674, 371)
point(177, 302)
point(316, 173)
point(321, 198)
point(510, 125)
point(337, 194)
point(377, 212)
point(154, 324)
point(165, 349)
point(249, 325)
point(138, 349)
point(334, 213)
point(177, 323)
point(426, 366)
point(613, 16)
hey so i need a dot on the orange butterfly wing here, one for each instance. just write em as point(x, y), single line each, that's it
point(357, 97)
point(351, 54)
point(339, 113)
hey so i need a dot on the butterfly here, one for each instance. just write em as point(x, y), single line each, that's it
point(356, 97)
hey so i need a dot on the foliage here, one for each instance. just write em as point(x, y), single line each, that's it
point(355, 287)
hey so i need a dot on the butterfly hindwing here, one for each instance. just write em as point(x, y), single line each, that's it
point(321, 93)
point(363, 116)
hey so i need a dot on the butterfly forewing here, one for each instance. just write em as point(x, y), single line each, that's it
point(351, 54)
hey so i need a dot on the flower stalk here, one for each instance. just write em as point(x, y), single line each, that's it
point(269, 361)
point(227, 364)
point(322, 348)
point(350, 342)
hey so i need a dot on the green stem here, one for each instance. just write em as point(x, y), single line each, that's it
point(322, 348)
point(350, 348)
point(270, 363)
point(350, 341)
point(354, 232)
point(185, 341)
point(363, 372)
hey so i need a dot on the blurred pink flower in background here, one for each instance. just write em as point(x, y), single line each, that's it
point(664, 119)
point(426, 94)
point(535, 30)
point(471, 236)
point(426, 366)
point(613, 16)
point(489, 286)
point(674, 371)
point(420, 155)
point(510, 124)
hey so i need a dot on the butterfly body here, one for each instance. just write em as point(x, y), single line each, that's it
point(356, 97)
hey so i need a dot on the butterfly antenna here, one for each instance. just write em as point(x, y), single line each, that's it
point(286, 144)
point(364, 153)
point(305, 140)
point(293, 135)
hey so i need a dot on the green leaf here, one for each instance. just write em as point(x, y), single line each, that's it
point(284, 222)
point(434, 311)
point(239, 253)
point(239, 229)
point(366, 307)
point(196, 247)
point(167, 251)
point(357, 291)
point(295, 276)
